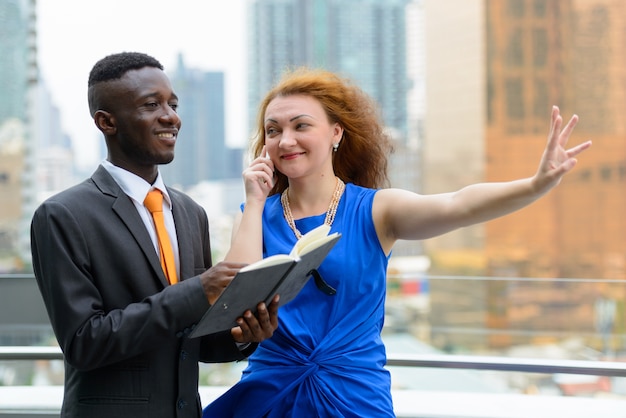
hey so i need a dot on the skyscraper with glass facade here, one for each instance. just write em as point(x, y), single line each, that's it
point(18, 80)
point(361, 39)
point(15, 67)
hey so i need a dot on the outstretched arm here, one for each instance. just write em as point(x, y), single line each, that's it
point(399, 214)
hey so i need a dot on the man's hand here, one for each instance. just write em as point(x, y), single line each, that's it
point(256, 329)
point(215, 279)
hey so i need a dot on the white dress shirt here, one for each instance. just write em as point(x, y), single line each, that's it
point(137, 189)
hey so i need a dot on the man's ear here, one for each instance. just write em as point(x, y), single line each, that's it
point(105, 122)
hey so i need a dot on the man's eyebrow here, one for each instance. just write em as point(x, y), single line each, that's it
point(149, 94)
point(157, 94)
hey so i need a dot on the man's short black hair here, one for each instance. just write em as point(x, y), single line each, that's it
point(114, 66)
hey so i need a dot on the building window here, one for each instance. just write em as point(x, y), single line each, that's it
point(515, 49)
point(540, 47)
point(539, 8)
point(541, 101)
point(515, 98)
point(516, 8)
point(584, 175)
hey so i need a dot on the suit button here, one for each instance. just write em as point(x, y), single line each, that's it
point(183, 355)
point(181, 404)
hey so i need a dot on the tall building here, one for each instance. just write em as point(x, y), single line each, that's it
point(495, 68)
point(55, 168)
point(416, 72)
point(361, 39)
point(18, 81)
point(15, 65)
point(454, 131)
point(201, 150)
point(11, 168)
point(572, 55)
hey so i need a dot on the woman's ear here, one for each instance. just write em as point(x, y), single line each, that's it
point(337, 133)
point(105, 122)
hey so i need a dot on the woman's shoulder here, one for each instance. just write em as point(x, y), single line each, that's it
point(359, 196)
point(357, 190)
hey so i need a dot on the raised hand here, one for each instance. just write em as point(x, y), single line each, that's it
point(259, 177)
point(557, 160)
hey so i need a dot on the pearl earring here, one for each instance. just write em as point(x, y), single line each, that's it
point(335, 146)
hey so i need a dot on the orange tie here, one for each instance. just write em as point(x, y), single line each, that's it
point(154, 203)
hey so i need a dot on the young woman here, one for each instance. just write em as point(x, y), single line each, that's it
point(321, 157)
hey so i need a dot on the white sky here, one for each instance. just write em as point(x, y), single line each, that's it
point(73, 34)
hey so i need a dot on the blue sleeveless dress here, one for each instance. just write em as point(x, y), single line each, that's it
point(326, 359)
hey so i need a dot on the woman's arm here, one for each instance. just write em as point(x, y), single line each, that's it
point(400, 214)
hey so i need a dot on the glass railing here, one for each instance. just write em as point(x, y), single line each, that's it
point(457, 346)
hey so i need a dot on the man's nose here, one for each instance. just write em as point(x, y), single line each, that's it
point(171, 116)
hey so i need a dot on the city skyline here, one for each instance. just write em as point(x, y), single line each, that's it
point(494, 120)
point(72, 37)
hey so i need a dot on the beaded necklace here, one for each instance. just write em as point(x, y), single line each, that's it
point(330, 213)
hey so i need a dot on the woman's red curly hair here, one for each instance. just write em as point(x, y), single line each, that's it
point(362, 154)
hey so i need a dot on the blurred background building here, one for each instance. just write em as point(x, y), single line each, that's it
point(201, 150)
point(18, 86)
point(493, 71)
point(362, 39)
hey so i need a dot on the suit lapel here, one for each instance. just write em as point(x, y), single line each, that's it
point(125, 209)
point(185, 246)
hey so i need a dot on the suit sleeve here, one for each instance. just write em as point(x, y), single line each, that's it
point(101, 312)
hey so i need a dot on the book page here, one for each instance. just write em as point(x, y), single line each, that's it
point(268, 261)
point(308, 247)
point(308, 238)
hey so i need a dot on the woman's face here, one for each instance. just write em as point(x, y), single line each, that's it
point(299, 137)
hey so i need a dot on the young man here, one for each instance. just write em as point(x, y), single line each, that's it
point(121, 325)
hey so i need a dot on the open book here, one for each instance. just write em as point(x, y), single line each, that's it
point(283, 274)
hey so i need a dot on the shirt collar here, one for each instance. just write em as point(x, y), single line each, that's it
point(133, 185)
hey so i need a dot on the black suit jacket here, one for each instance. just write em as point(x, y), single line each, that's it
point(122, 329)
